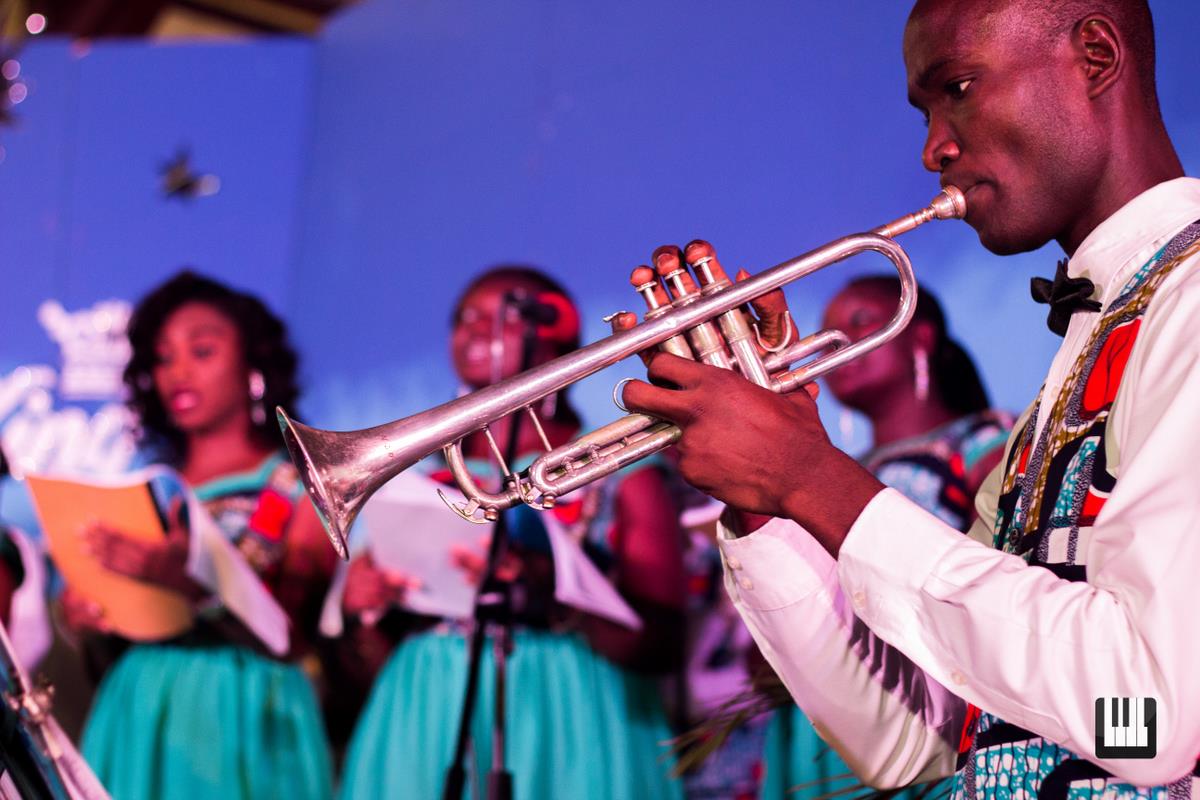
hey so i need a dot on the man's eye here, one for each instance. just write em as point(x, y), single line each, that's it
point(202, 351)
point(958, 89)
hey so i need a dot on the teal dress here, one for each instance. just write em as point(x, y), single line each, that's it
point(197, 717)
point(578, 726)
point(931, 470)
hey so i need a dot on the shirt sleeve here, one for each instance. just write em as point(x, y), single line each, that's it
point(1037, 650)
point(889, 721)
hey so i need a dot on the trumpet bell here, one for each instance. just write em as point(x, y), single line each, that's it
point(328, 497)
point(341, 470)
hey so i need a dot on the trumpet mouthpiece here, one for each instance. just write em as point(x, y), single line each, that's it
point(951, 203)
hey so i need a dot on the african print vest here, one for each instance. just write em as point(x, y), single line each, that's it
point(1053, 489)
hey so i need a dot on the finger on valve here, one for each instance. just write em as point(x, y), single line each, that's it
point(702, 258)
point(646, 282)
point(669, 264)
point(706, 340)
point(776, 328)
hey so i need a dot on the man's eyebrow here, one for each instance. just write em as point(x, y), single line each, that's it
point(927, 74)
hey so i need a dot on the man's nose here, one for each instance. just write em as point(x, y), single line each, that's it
point(941, 147)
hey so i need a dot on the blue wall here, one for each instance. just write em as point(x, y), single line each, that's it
point(81, 214)
point(368, 174)
point(454, 135)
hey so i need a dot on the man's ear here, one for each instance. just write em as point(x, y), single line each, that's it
point(1103, 51)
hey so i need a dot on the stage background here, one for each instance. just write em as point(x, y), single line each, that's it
point(367, 174)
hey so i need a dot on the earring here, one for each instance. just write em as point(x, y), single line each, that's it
point(921, 374)
point(258, 390)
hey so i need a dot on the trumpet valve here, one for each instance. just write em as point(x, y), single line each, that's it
point(668, 263)
point(645, 282)
point(703, 271)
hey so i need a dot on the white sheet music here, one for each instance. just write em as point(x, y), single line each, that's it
point(410, 530)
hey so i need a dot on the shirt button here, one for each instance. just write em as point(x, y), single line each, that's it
point(747, 584)
point(733, 562)
point(958, 678)
point(859, 599)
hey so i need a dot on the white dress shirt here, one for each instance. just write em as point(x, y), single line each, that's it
point(884, 647)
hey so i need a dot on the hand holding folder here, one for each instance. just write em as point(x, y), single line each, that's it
point(131, 608)
point(139, 610)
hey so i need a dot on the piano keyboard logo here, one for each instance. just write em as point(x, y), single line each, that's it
point(1126, 727)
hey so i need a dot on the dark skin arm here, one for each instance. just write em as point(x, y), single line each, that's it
point(649, 550)
point(651, 577)
point(372, 593)
point(7, 587)
point(307, 568)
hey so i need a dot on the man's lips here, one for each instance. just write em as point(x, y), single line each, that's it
point(976, 193)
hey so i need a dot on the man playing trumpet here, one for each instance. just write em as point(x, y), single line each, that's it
point(916, 651)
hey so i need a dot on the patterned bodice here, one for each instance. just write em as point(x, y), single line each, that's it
point(1055, 484)
point(253, 509)
point(933, 469)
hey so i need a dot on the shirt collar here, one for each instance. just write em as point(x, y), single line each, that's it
point(1136, 231)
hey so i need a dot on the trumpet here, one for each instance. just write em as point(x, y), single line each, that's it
point(341, 470)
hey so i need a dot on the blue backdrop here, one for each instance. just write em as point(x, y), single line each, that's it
point(367, 174)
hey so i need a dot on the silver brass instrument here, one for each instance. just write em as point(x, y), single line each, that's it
point(343, 469)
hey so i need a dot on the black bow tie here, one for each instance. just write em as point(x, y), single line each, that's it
point(1065, 296)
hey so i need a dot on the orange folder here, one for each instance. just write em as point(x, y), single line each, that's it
point(135, 610)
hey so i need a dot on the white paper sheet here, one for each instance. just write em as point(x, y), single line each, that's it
point(410, 530)
point(579, 584)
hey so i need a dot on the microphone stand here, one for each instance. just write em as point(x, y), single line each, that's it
point(493, 606)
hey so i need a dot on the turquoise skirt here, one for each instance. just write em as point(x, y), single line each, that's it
point(178, 723)
point(577, 725)
point(798, 764)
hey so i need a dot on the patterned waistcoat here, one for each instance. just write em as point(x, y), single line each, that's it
point(1052, 491)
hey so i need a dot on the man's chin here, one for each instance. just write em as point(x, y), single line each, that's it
point(1007, 242)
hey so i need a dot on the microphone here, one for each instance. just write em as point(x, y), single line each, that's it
point(534, 310)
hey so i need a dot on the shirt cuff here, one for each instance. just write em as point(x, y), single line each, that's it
point(886, 559)
point(776, 566)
